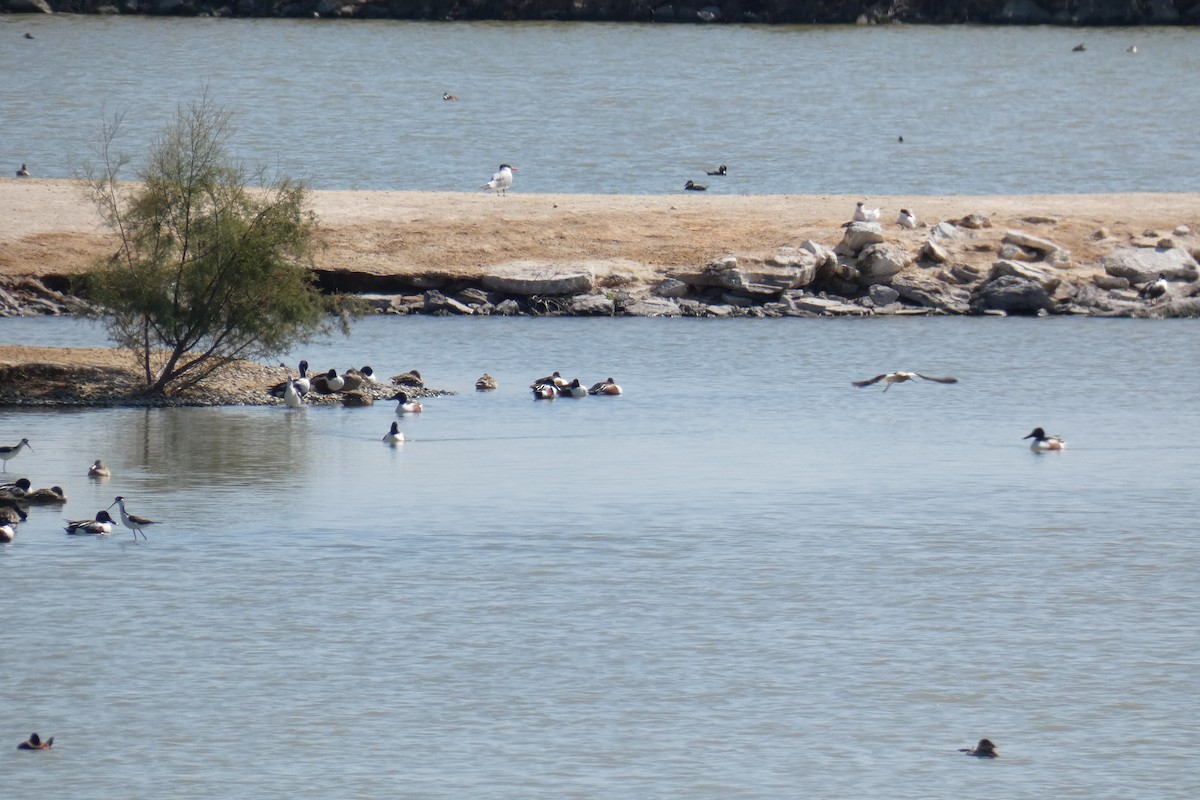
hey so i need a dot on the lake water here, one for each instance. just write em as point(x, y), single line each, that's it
point(743, 578)
point(638, 109)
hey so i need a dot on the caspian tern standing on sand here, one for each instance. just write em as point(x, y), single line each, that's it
point(502, 180)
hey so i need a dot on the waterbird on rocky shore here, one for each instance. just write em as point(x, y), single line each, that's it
point(34, 742)
point(410, 378)
point(98, 470)
point(900, 377)
point(23, 172)
point(502, 180)
point(721, 170)
point(985, 749)
point(406, 406)
point(692, 186)
point(1156, 289)
point(486, 383)
point(394, 436)
point(906, 219)
point(102, 525)
point(864, 214)
point(132, 521)
point(10, 451)
point(1042, 443)
point(605, 387)
point(328, 383)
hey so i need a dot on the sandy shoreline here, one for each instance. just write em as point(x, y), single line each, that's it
point(47, 227)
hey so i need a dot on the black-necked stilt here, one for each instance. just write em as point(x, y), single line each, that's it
point(406, 406)
point(502, 180)
point(721, 170)
point(605, 387)
point(394, 436)
point(23, 172)
point(102, 525)
point(9, 452)
point(1041, 442)
point(98, 470)
point(985, 749)
point(8, 532)
point(900, 377)
point(34, 742)
point(486, 383)
point(132, 521)
point(692, 186)
point(907, 219)
point(864, 214)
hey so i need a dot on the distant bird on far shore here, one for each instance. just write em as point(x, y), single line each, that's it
point(900, 377)
point(23, 172)
point(864, 214)
point(448, 96)
point(906, 219)
point(721, 170)
point(29, 36)
point(1079, 48)
point(900, 140)
point(1156, 289)
point(1131, 49)
point(692, 186)
point(502, 180)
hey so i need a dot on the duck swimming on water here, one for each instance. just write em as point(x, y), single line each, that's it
point(1042, 443)
point(985, 749)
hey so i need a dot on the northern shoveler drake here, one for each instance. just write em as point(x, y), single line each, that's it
point(394, 436)
point(906, 219)
point(407, 406)
point(448, 96)
point(1041, 442)
point(52, 496)
point(23, 172)
point(299, 386)
point(132, 521)
point(486, 383)
point(1156, 290)
point(328, 383)
point(605, 387)
point(8, 532)
point(985, 749)
point(368, 374)
point(721, 170)
point(34, 742)
point(573, 389)
point(102, 525)
point(10, 451)
point(864, 214)
point(692, 186)
point(303, 383)
point(502, 180)
point(900, 377)
point(98, 470)
point(544, 391)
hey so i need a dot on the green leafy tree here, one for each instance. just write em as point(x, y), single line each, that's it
point(208, 269)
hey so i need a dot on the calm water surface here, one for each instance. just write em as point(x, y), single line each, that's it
point(600, 108)
point(742, 579)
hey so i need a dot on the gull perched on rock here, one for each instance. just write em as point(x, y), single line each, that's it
point(864, 214)
point(889, 378)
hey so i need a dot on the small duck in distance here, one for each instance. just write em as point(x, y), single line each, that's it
point(486, 383)
point(573, 389)
point(23, 172)
point(721, 170)
point(394, 436)
point(692, 186)
point(448, 96)
point(102, 525)
point(34, 742)
point(98, 470)
point(1042, 443)
point(864, 214)
point(605, 387)
point(985, 749)
point(889, 378)
point(554, 379)
point(406, 406)
point(1079, 48)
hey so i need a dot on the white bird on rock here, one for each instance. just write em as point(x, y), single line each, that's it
point(864, 214)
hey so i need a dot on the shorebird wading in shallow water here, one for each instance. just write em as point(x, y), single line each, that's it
point(889, 378)
point(9, 452)
point(131, 521)
point(502, 180)
point(1041, 442)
